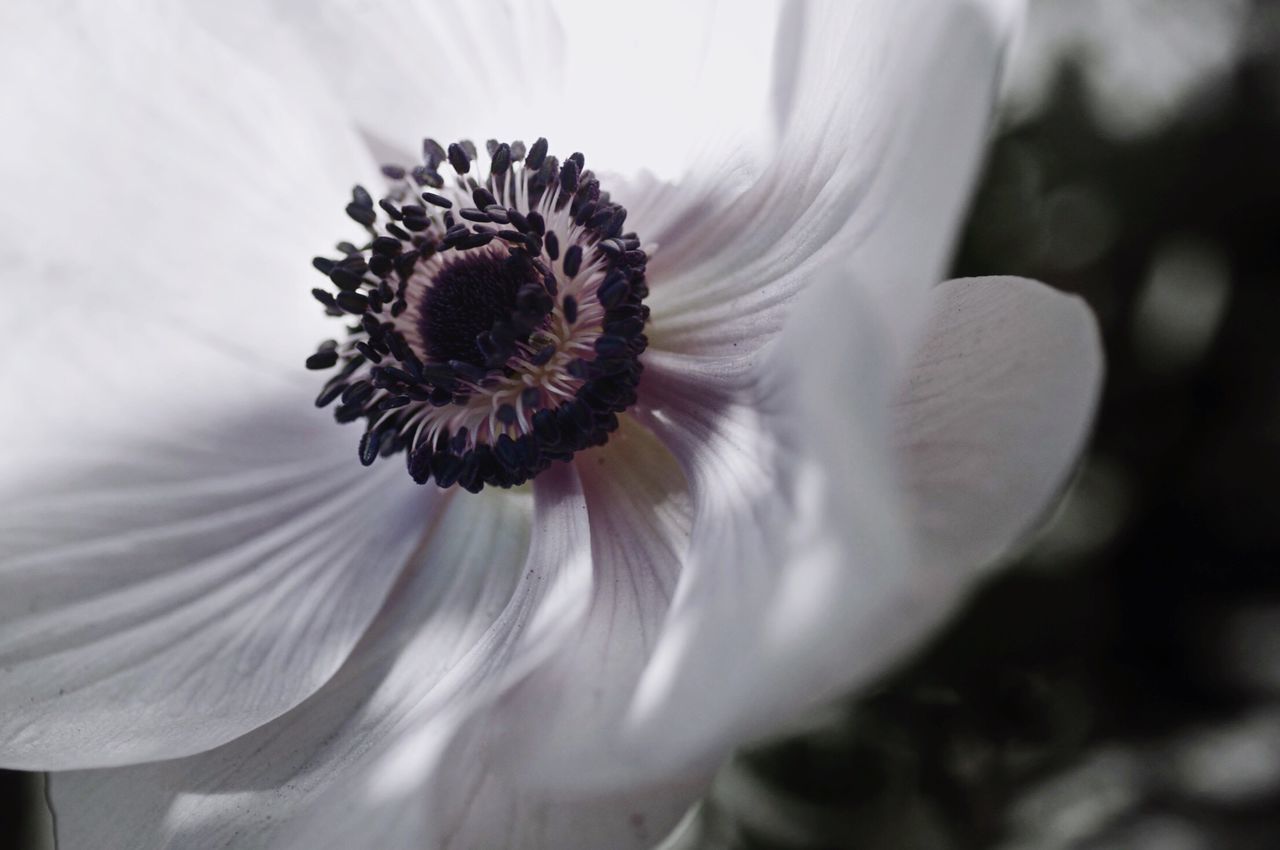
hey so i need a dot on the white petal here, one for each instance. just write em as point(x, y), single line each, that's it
point(609, 82)
point(798, 583)
point(167, 587)
point(403, 670)
point(364, 761)
point(562, 723)
point(825, 546)
point(881, 139)
point(188, 547)
point(995, 414)
point(166, 167)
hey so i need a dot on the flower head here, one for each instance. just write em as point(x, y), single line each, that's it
point(218, 627)
point(492, 342)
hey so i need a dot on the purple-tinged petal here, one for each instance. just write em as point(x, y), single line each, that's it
point(995, 414)
point(564, 723)
point(881, 140)
point(366, 761)
point(798, 584)
point(187, 547)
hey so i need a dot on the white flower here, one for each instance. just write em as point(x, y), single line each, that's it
point(218, 628)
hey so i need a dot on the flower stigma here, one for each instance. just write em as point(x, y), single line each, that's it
point(499, 319)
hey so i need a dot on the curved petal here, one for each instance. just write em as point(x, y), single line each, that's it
point(835, 529)
point(995, 413)
point(440, 608)
point(363, 761)
point(880, 143)
point(167, 587)
point(801, 581)
point(563, 722)
point(188, 547)
point(568, 71)
point(797, 585)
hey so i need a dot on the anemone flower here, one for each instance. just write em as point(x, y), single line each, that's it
point(646, 452)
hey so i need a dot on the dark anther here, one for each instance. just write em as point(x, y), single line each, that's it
point(446, 467)
point(458, 159)
point(501, 159)
point(382, 265)
point(507, 453)
point(329, 393)
point(390, 209)
point(545, 427)
point(572, 260)
point(386, 245)
point(478, 240)
point(614, 289)
point(323, 264)
point(537, 154)
point(615, 223)
point(424, 176)
point(368, 351)
point(611, 346)
point(552, 243)
point(584, 212)
point(346, 279)
point(432, 153)
point(326, 359)
point(369, 447)
point(394, 172)
point(570, 309)
point(362, 214)
point(420, 464)
point(437, 200)
point(568, 178)
point(352, 302)
point(473, 214)
point(360, 197)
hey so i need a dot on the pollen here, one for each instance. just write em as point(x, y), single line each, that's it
point(496, 315)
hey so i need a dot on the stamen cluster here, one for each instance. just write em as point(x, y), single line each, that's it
point(498, 320)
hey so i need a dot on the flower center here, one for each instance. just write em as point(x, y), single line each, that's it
point(500, 320)
point(468, 296)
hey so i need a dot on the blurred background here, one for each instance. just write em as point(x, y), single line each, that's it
point(1118, 687)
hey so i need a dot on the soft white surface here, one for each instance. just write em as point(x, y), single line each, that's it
point(187, 547)
point(995, 413)
point(669, 605)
